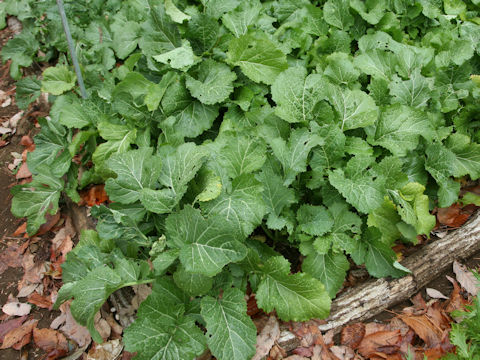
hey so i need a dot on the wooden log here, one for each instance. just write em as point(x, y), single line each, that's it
point(372, 297)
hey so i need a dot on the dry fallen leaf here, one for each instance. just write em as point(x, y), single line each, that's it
point(43, 302)
point(453, 216)
point(466, 278)
point(49, 339)
point(16, 308)
point(370, 344)
point(109, 350)
point(435, 294)
point(267, 337)
point(19, 337)
point(352, 335)
point(74, 331)
point(424, 328)
point(9, 325)
point(23, 172)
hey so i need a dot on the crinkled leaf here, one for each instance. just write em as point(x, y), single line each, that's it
point(231, 333)
point(206, 244)
point(258, 57)
point(57, 80)
point(280, 290)
point(162, 331)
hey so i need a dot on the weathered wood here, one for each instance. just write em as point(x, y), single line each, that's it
point(372, 297)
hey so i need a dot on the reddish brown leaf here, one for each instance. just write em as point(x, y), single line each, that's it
point(424, 328)
point(372, 342)
point(466, 278)
point(40, 301)
point(453, 216)
point(23, 172)
point(26, 141)
point(9, 325)
point(49, 224)
point(49, 339)
point(22, 229)
point(19, 337)
point(11, 257)
point(457, 301)
point(303, 351)
point(252, 308)
point(56, 354)
point(352, 335)
point(96, 195)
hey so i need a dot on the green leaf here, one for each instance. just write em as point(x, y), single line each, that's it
point(276, 196)
point(174, 13)
point(354, 108)
point(50, 149)
point(297, 94)
point(467, 156)
point(181, 58)
point(258, 57)
point(211, 82)
point(57, 80)
point(413, 207)
point(330, 269)
point(191, 116)
point(399, 128)
point(162, 330)
point(294, 154)
point(380, 256)
point(370, 11)
point(217, 8)
point(340, 69)
point(231, 333)
point(440, 164)
point(206, 244)
point(126, 35)
point(136, 170)
point(242, 155)
point(156, 92)
point(356, 184)
point(242, 206)
point(28, 90)
point(314, 220)
point(91, 291)
point(211, 185)
point(202, 32)
point(193, 284)
point(279, 289)
point(414, 92)
point(238, 20)
point(35, 199)
point(337, 13)
point(385, 219)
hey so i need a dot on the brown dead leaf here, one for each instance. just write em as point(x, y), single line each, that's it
point(51, 220)
point(277, 353)
point(43, 302)
point(19, 337)
point(352, 335)
point(73, 330)
point(267, 337)
point(23, 172)
point(456, 301)
point(342, 352)
point(49, 339)
point(252, 308)
point(33, 271)
point(466, 278)
point(96, 195)
point(453, 216)
point(370, 343)
point(109, 350)
point(11, 257)
point(16, 308)
point(424, 328)
point(303, 351)
point(435, 294)
point(26, 141)
point(296, 357)
point(22, 229)
point(9, 325)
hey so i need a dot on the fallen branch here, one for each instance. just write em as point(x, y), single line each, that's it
point(366, 300)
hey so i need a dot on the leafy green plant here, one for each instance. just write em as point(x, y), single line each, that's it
point(232, 135)
point(465, 333)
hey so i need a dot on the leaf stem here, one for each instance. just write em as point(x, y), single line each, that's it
point(268, 232)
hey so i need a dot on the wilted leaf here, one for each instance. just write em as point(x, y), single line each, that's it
point(266, 339)
point(466, 278)
point(16, 308)
point(352, 335)
point(20, 336)
point(452, 216)
point(49, 339)
point(435, 294)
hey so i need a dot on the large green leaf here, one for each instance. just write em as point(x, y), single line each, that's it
point(162, 331)
point(35, 199)
point(206, 244)
point(57, 80)
point(297, 94)
point(231, 333)
point(296, 297)
point(258, 57)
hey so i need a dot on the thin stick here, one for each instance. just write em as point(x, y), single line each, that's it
point(71, 48)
